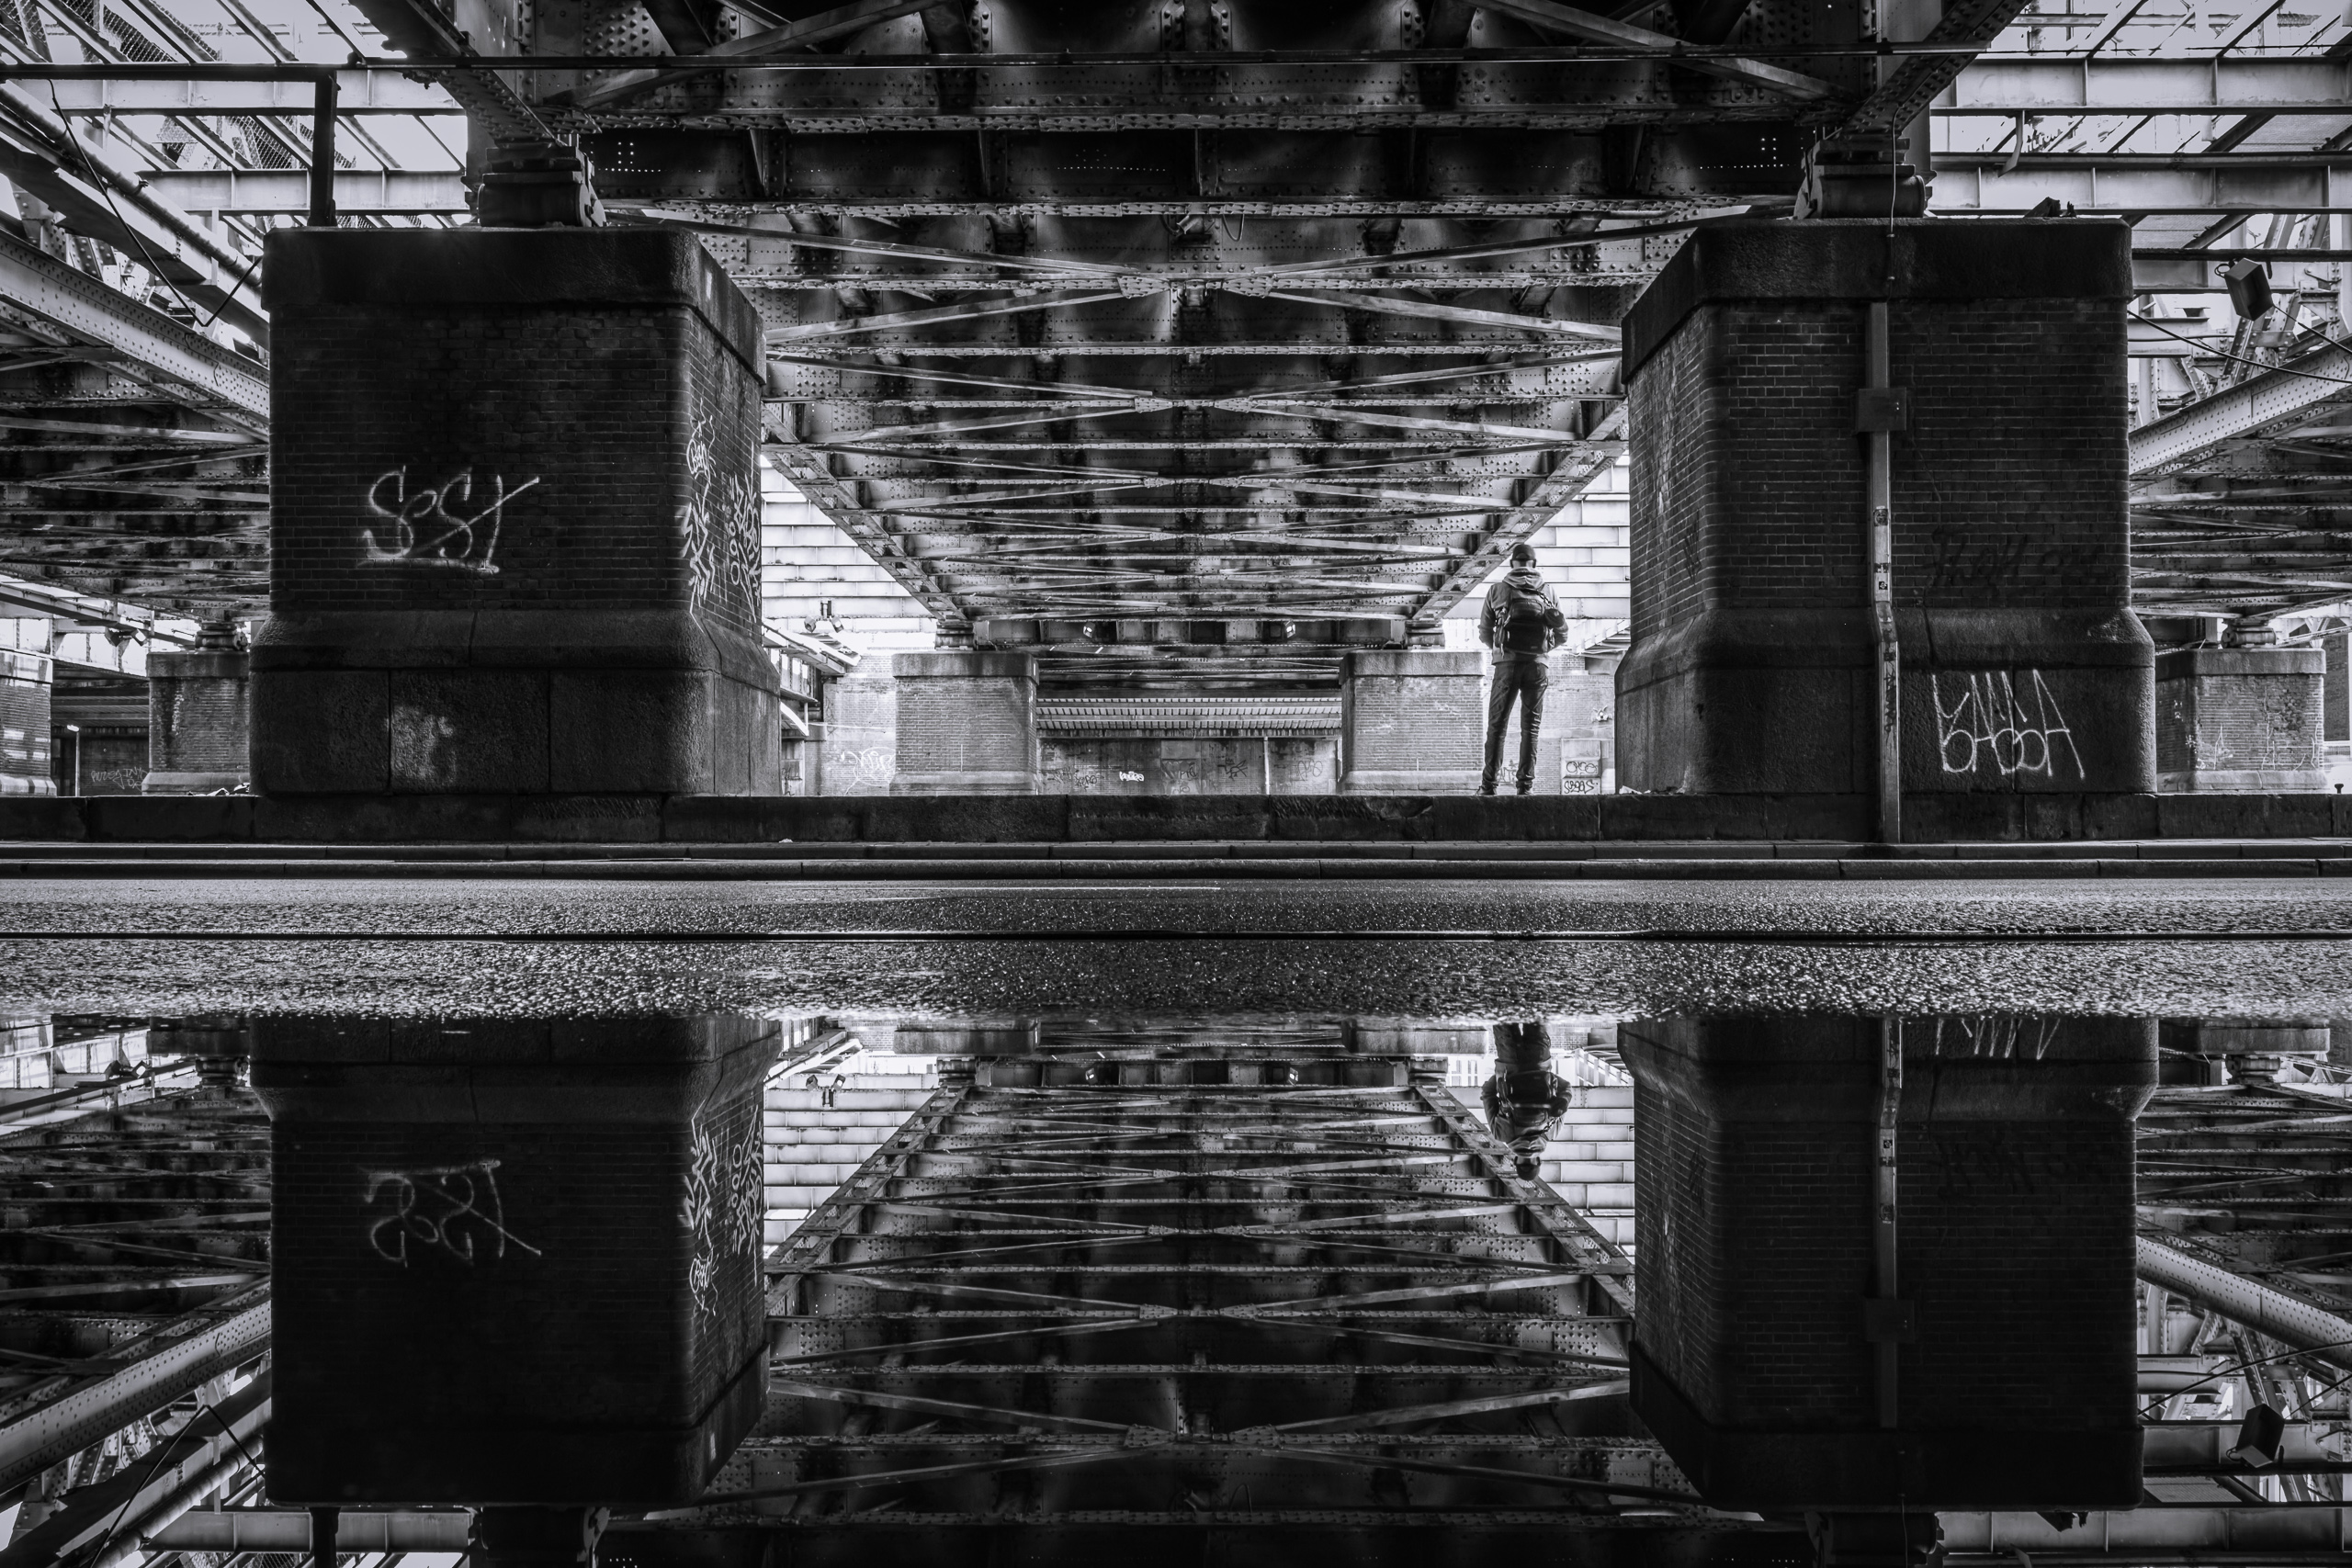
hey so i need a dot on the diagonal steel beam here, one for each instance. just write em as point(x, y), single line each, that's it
point(826, 25)
point(1386, 305)
point(963, 310)
point(1595, 28)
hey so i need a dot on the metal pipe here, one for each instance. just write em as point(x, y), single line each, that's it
point(1886, 685)
point(1885, 1279)
point(323, 1534)
point(2295, 1323)
point(130, 1539)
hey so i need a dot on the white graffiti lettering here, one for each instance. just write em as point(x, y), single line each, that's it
point(453, 1208)
point(424, 529)
point(2006, 723)
point(721, 524)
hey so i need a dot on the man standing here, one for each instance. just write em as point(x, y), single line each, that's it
point(1526, 1099)
point(1521, 623)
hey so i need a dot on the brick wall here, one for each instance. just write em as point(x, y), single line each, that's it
point(199, 713)
point(500, 1277)
point(517, 476)
point(2024, 669)
point(1413, 719)
point(2258, 713)
point(966, 720)
point(1755, 1225)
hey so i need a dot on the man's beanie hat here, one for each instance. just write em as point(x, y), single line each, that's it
point(1523, 555)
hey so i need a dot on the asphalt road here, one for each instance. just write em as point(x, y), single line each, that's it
point(1427, 950)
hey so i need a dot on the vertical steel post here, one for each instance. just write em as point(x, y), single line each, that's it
point(322, 1532)
point(1887, 685)
point(1884, 1277)
point(323, 93)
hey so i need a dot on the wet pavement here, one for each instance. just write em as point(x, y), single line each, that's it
point(2244, 948)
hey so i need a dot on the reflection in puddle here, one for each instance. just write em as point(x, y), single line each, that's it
point(733, 1289)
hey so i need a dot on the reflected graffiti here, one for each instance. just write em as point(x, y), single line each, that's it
point(722, 1207)
point(2002, 722)
point(451, 1209)
point(426, 532)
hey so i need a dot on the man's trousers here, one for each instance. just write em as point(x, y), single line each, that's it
point(1524, 680)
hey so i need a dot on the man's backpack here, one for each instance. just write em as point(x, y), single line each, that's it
point(1526, 619)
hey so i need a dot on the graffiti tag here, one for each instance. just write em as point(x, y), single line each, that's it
point(721, 524)
point(453, 1208)
point(724, 1198)
point(1995, 722)
point(424, 529)
point(873, 767)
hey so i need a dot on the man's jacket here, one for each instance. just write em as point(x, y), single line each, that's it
point(1521, 620)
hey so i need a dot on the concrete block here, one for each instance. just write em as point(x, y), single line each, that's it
point(1411, 721)
point(967, 724)
point(1755, 1239)
point(2241, 720)
point(200, 727)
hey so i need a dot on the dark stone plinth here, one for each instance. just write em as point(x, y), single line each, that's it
point(24, 724)
point(967, 724)
point(198, 725)
point(515, 1262)
point(1752, 656)
point(1754, 1361)
point(514, 519)
point(2244, 720)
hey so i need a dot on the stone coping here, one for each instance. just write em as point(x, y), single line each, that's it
point(1933, 821)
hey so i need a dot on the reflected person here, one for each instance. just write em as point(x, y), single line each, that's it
point(1524, 1097)
point(1522, 623)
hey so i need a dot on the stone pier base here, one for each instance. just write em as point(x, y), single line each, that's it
point(514, 522)
point(967, 724)
point(2241, 720)
point(199, 722)
point(1413, 722)
point(1753, 657)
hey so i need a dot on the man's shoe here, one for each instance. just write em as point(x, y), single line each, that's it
point(1487, 788)
point(1527, 787)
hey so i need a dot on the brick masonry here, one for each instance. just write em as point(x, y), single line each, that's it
point(1749, 672)
point(2241, 719)
point(200, 722)
point(24, 724)
point(1413, 721)
point(967, 724)
point(1755, 1231)
point(515, 1262)
point(514, 533)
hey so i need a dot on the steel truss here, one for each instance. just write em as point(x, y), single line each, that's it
point(1225, 1303)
